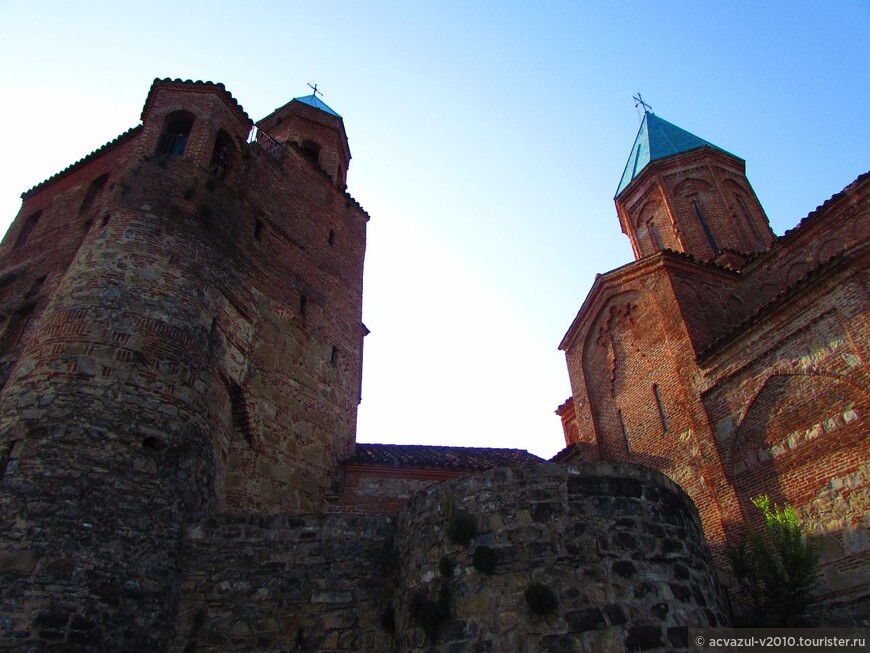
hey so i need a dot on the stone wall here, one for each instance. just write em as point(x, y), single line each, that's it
point(276, 583)
point(181, 343)
point(619, 546)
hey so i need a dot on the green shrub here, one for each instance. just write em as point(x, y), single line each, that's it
point(776, 568)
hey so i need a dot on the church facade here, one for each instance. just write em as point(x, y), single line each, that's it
point(732, 360)
point(180, 363)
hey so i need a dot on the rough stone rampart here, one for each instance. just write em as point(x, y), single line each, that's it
point(618, 547)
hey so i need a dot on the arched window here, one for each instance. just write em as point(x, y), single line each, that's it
point(222, 155)
point(176, 130)
point(27, 229)
point(94, 191)
point(311, 150)
point(16, 326)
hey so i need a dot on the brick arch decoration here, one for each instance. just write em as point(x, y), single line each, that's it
point(692, 185)
point(600, 361)
point(620, 367)
point(647, 210)
point(735, 186)
point(799, 431)
point(828, 249)
point(797, 271)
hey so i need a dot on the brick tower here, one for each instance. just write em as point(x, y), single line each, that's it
point(182, 336)
point(680, 192)
point(732, 360)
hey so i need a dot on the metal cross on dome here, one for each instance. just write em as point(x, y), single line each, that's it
point(638, 101)
point(315, 89)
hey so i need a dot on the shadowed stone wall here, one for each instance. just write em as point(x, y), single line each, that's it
point(619, 546)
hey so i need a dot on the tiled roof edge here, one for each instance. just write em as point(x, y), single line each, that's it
point(521, 456)
point(207, 85)
point(819, 210)
point(779, 298)
point(127, 135)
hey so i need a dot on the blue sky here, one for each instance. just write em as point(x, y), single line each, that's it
point(488, 139)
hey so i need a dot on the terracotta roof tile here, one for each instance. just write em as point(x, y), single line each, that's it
point(197, 85)
point(772, 304)
point(822, 208)
point(430, 456)
point(116, 141)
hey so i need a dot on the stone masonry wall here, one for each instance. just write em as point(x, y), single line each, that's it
point(191, 345)
point(619, 546)
point(277, 583)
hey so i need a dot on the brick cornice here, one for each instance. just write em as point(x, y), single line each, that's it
point(609, 283)
point(189, 86)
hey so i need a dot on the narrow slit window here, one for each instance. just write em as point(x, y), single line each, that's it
point(656, 236)
point(624, 431)
point(706, 227)
point(35, 286)
point(15, 327)
point(241, 419)
point(331, 239)
point(258, 230)
point(8, 458)
point(662, 414)
point(759, 241)
point(303, 305)
point(333, 356)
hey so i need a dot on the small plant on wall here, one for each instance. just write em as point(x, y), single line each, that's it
point(777, 568)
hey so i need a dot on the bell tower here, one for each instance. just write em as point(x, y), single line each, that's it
point(682, 193)
point(316, 129)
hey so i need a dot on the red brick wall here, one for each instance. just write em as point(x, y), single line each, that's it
point(378, 489)
point(664, 192)
point(762, 374)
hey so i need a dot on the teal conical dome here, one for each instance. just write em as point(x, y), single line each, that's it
point(657, 139)
point(314, 101)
